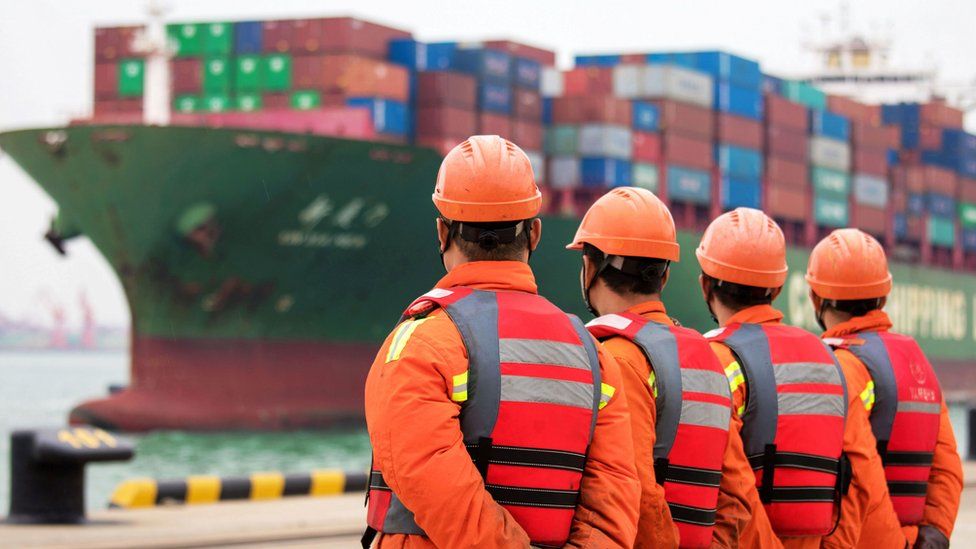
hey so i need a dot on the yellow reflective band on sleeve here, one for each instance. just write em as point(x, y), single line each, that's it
point(867, 396)
point(401, 337)
point(606, 393)
point(652, 382)
point(734, 372)
point(459, 388)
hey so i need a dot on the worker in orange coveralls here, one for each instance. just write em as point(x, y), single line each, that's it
point(495, 418)
point(807, 438)
point(849, 284)
point(697, 488)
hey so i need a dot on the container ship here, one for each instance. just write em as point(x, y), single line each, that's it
point(262, 190)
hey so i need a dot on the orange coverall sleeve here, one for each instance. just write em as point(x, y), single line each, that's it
point(416, 437)
point(609, 504)
point(945, 482)
point(655, 529)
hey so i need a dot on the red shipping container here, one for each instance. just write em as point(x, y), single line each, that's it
point(442, 145)
point(869, 136)
point(277, 36)
point(788, 202)
point(869, 219)
point(647, 147)
point(894, 136)
point(276, 100)
point(351, 35)
point(783, 113)
point(449, 89)
point(117, 106)
point(854, 110)
point(113, 43)
point(527, 104)
point(306, 72)
point(930, 137)
point(689, 152)
point(357, 76)
point(582, 110)
point(106, 81)
point(187, 75)
point(633, 59)
point(306, 36)
point(787, 143)
point(940, 180)
point(899, 199)
point(444, 121)
point(870, 162)
point(787, 173)
point(338, 121)
point(490, 123)
point(685, 119)
point(937, 113)
point(588, 81)
point(913, 177)
point(738, 130)
point(967, 189)
point(518, 49)
point(527, 135)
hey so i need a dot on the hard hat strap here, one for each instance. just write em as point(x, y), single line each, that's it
point(638, 267)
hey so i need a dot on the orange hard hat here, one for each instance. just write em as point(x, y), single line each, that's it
point(744, 246)
point(488, 179)
point(849, 264)
point(630, 222)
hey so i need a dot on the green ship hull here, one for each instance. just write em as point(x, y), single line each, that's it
point(263, 269)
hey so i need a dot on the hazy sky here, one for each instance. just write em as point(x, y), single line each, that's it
point(46, 77)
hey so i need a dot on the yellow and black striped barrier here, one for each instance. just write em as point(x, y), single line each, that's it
point(145, 492)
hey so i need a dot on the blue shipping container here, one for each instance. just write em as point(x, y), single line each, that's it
point(938, 158)
point(738, 192)
point(647, 116)
point(686, 60)
point(495, 98)
point(772, 84)
point(389, 117)
point(597, 60)
point(940, 205)
point(739, 162)
point(409, 53)
point(902, 114)
point(901, 225)
point(830, 125)
point(605, 172)
point(687, 185)
point(966, 166)
point(909, 138)
point(740, 101)
point(547, 110)
point(248, 37)
point(916, 204)
point(969, 239)
point(526, 73)
point(488, 65)
point(736, 70)
point(958, 142)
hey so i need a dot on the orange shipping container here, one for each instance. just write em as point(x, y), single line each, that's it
point(357, 76)
point(788, 202)
point(855, 110)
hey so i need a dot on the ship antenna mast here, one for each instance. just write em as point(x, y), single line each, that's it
point(153, 43)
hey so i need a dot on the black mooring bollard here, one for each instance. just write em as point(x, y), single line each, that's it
point(47, 472)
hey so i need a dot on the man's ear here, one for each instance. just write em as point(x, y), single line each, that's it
point(443, 233)
point(535, 234)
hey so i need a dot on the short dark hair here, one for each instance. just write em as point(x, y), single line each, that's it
point(508, 251)
point(738, 296)
point(652, 282)
point(854, 307)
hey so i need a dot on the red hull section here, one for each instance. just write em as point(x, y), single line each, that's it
point(199, 385)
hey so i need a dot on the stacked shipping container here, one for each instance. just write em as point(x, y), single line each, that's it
point(119, 72)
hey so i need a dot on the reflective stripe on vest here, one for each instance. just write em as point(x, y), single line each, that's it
point(906, 414)
point(694, 409)
point(529, 403)
point(793, 423)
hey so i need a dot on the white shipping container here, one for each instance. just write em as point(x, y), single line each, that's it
point(606, 140)
point(564, 172)
point(538, 161)
point(679, 84)
point(830, 153)
point(551, 84)
point(871, 190)
point(645, 176)
point(626, 81)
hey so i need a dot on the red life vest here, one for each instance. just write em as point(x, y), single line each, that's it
point(905, 416)
point(533, 392)
point(793, 424)
point(693, 413)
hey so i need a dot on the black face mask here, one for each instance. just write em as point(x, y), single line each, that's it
point(708, 303)
point(820, 314)
point(585, 288)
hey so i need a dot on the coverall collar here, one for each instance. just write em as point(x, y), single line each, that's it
point(652, 310)
point(875, 321)
point(757, 314)
point(492, 275)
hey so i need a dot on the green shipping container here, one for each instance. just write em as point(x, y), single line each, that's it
point(305, 100)
point(830, 183)
point(249, 102)
point(186, 38)
point(942, 231)
point(830, 211)
point(645, 176)
point(562, 140)
point(186, 103)
point(804, 93)
point(216, 102)
point(131, 73)
point(249, 73)
point(218, 38)
point(277, 72)
point(967, 214)
point(217, 75)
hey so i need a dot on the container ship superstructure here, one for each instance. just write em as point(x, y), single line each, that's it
point(262, 190)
